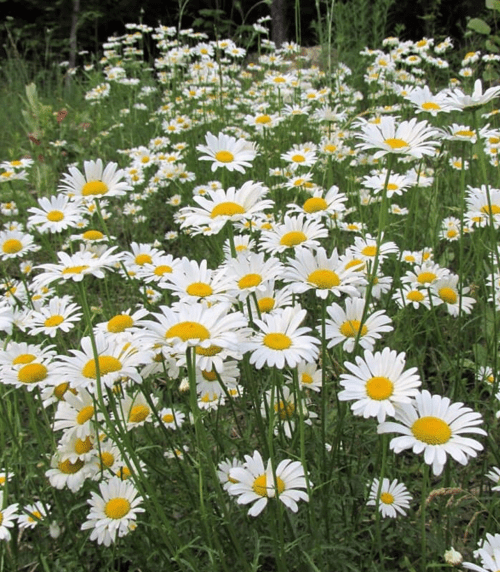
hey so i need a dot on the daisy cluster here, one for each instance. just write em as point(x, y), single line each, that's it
point(263, 288)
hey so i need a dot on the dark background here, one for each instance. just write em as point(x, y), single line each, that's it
point(39, 27)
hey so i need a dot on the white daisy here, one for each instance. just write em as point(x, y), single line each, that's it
point(394, 497)
point(434, 426)
point(113, 513)
point(377, 382)
point(97, 182)
point(8, 516)
point(256, 482)
point(228, 152)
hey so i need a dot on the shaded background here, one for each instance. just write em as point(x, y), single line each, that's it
point(42, 29)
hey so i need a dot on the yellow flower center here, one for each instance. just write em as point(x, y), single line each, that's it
point(85, 414)
point(386, 498)
point(260, 485)
point(227, 208)
point(32, 373)
point(107, 364)
point(142, 259)
point(117, 508)
point(1, 518)
point(357, 264)
point(224, 157)
point(293, 238)
point(75, 269)
point(249, 281)
point(329, 148)
point(428, 105)
point(369, 251)
point(188, 331)
point(495, 209)
point(69, 468)
point(200, 289)
point(464, 133)
point(285, 409)
point(60, 390)
point(34, 516)
point(452, 233)
point(298, 158)
point(324, 279)
point(277, 341)
point(94, 188)
point(266, 304)
point(263, 119)
point(168, 418)
point(448, 295)
point(23, 358)
point(315, 204)
point(415, 296)
point(396, 143)
point(350, 329)
point(431, 430)
point(306, 378)
point(163, 269)
point(426, 277)
point(12, 245)
point(83, 446)
point(120, 323)
point(210, 351)
point(93, 235)
point(55, 216)
point(138, 413)
point(209, 375)
point(53, 321)
point(107, 459)
point(379, 388)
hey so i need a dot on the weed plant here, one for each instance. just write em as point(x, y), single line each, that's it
point(249, 312)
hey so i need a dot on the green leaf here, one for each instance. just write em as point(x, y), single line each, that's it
point(479, 26)
point(493, 5)
point(491, 47)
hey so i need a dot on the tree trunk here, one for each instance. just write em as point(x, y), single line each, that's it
point(72, 34)
point(278, 22)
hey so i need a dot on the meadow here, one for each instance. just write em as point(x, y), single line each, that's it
point(249, 309)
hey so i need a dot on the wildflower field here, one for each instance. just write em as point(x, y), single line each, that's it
point(249, 310)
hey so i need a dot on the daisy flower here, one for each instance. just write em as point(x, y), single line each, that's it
point(55, 214)
point(113, 513)
point(223, 470)
point(293, 232)
point(97, 182)
point(461, 101)
point(76, 266)
point(228, 152)
point(281, 342)
point(319, 205)
point(366, 249)
point(8, 516)
point(171, 418)
point(410, 138)
point(116, 360)
point(325, 274)
point(219, 206)
point(300, 157)
point(394, 497)
point(194, 282)
point(208, 384)
point(412, 296)
point(396, 185)
point(256, 483)
point(136, 410)
point(33, 514)
point(434, 426)
point(377, 382)
point(445, 291)
point(215, 332)
point(425, 101)
point(64, 473)
point(250, 273)
point(60, 315)
point(15, 244)
point(77, 414)
point(345, 325)
point(494, 475)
